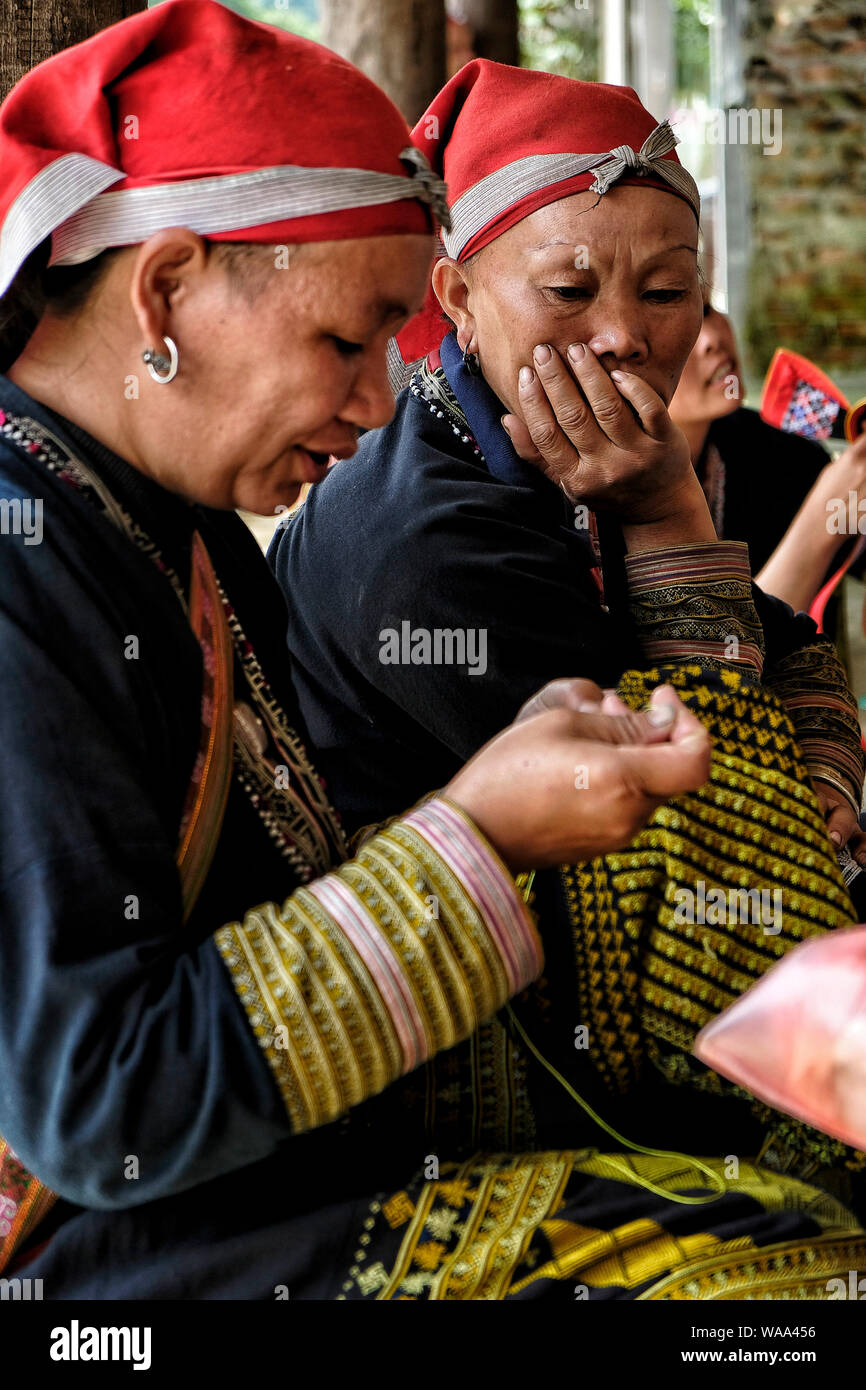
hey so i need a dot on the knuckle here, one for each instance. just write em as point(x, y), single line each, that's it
point(544, 436)
point(607, 412)
point(572, 417)
point(583, 689)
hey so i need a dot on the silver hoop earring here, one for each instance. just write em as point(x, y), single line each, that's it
point(156, 363)
point(471, 362)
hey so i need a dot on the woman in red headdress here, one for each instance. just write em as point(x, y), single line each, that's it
point(197, 980)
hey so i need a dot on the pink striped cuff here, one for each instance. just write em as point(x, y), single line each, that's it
point(364, 933)
point(688, 564)
point(477, 866)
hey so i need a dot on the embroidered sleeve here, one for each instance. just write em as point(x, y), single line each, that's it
point(694, 603)
point(401, 952)
point(813, 687)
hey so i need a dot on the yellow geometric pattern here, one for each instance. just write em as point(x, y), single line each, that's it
point(314, 1005)
point(474, 1235)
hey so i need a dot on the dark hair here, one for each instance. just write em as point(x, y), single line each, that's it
point(37, 287)
point(64, 289)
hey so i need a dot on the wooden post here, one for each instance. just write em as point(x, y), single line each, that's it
point(400, 44)
point(29, 33)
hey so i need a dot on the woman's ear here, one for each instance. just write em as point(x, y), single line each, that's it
point(451, 287)
point(161, 271)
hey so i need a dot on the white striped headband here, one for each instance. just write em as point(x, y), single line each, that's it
point(68, 198)
point(499, 191)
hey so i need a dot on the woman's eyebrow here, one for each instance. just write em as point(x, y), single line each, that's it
point(663, 251)
point(545, 246)
point(666, 250)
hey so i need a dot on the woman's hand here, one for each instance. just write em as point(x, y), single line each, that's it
point(843, 827)
point(845, 473)
point(607, 440)
point(568, 781)
point(797, 566)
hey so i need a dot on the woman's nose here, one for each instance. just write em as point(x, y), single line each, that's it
point(618, 334)
point(710, 339)
point(715, 336)
point(372, 402)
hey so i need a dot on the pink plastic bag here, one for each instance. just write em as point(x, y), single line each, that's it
point(797, 1039)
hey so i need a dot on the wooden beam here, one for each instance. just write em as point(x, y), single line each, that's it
point(32, 30)
point(400, 44)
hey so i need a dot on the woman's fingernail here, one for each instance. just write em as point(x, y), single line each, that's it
point(541, 354)
point(618, 375)
point(660, 715)
point(525, 376)
point(502, 420)
point(835, 837)
point(577, 351)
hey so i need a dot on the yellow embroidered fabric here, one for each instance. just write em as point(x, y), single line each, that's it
point(496, 1225)
point(382, 964)
point(717, 887)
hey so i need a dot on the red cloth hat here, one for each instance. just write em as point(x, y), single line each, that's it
point(510, 140)
point(194, 116)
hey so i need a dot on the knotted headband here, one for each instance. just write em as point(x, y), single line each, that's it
point(506, 187)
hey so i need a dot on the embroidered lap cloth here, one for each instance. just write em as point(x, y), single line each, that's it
point(797, 1039)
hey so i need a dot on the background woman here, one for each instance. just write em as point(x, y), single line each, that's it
point(763, 486)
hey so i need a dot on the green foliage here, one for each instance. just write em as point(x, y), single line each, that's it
point(564, 36)
point(298, 16)
point(560, 36)
point(692, 19)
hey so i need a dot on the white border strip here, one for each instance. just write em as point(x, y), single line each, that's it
point(54, 194)
point(68, 199)
point(499, 191)
point(222, 203)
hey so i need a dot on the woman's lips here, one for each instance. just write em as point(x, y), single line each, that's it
point(314, 466)
point(723, 371)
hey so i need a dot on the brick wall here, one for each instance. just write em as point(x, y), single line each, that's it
point(807, 58)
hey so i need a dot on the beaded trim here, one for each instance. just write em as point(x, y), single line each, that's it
point(298, 818)
point(431, 387)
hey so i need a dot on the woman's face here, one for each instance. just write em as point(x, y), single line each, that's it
point(618, 273)
point(710, 384)
point(274, 380)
